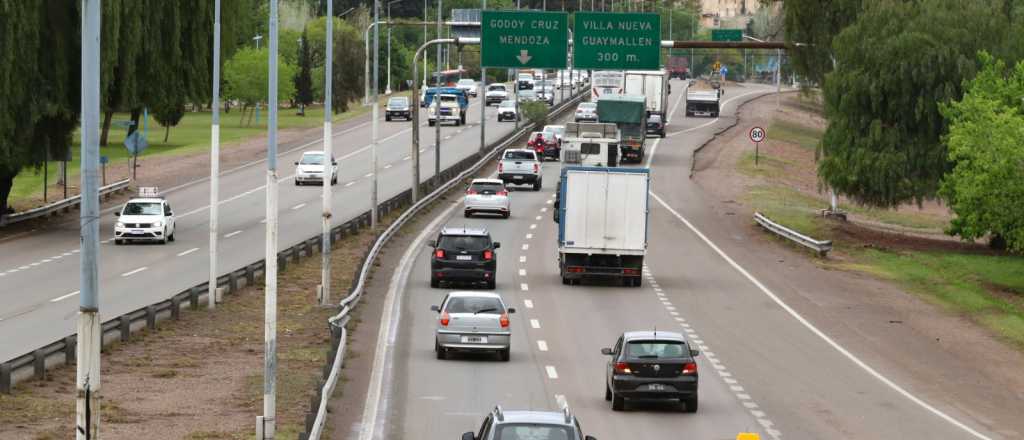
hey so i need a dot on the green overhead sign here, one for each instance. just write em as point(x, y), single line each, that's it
point(524, 39)
point(616, 41)
point(727, 35)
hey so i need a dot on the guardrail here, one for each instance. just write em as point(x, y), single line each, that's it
point(318, 403)
point(820, 247)
point(61, 205)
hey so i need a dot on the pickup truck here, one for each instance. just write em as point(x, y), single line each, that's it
point(520, 167)
point(496, 93)
point(451, 110)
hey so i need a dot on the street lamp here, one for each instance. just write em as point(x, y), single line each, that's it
point(387, 89)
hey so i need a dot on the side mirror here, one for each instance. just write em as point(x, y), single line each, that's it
point(334, 162)
point(296, 162)
point(497, 244)
point(607, 351)
point(432, 243)
point(694, 352)
point(468, 436)
point(435, 309)
point(590, 437)
point(511, 310)
point(117, 213)
point(170, 213)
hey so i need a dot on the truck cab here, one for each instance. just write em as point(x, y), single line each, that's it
point(451, 109)
point(590, 145)
point(629, 114)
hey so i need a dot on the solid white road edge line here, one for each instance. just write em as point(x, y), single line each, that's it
point(835, 345)
point(388, 331)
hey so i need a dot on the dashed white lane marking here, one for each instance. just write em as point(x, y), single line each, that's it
point(60, 298)
point(552, 372)
point(75, 251)
point(529, 236)
point(533, 226)
point(810, 327)
point(298, 207)
point(407, 158)
point(534, 323)
point(46, 260)
point(264, 221)
point(542, 345)
point(232, 234)
point(526, 247)
point(368, 175)
point(182, 254)
point(561, 401)
point(133, 272)
point(524, 287)
point(350, 183)
point(522, 258)
point(23, 268)
point(543, 210)
point(528, 303)
point(537, 217)
point(522, 272)
point(550, 202)
point(387, 166)
point(34, 264)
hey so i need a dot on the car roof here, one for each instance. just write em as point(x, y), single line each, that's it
point(498, 181)
point(521, 149)
point(545, 417)
point(647, 334)
point(448, 230)
point(146, 200)
point(473, 294)
point(319, 152)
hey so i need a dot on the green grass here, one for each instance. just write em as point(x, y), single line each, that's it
point(191, 135)
point(987, 288)
point(764, 166)
point(802, 135)
point(790, 208)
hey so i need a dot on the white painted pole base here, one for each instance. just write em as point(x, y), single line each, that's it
point(214, 212)
point(87, 382)
point(324, 292)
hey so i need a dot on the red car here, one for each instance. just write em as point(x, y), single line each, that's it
point(545, 144)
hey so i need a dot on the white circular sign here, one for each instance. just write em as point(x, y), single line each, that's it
point(757, 134)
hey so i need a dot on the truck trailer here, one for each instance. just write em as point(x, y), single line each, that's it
point(629, 113)
point(653, 85)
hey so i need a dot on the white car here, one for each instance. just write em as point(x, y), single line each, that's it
point(310, 169)
point(496, 93)
point(507, 111)
point(468, 85)
point(558, 130)
point(145, 218)
point(487, 196)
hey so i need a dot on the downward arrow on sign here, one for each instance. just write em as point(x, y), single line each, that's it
point(524, 57)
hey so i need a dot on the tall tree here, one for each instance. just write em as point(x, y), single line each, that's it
point(169, 115)
point(247, 77)
point(304, 79)
point(814, 24)
point(898, 63)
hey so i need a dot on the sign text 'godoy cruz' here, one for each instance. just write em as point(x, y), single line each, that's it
point(608, 40)
point(524, 39)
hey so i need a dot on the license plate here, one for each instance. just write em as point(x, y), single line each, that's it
point(474, 339)
point(464, 257)
point(137, 231)
point(517, 177)
point(655, 387)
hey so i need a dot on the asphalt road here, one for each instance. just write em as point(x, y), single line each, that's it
point(764, 367)
point(39, 273)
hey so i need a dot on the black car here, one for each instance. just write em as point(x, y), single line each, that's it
point(656, 125)
point(651, 365)
point(398, 107)
point(463, 255)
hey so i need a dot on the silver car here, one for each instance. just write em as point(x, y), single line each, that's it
point(487, 196)
point(473, 321)
point(586, 112)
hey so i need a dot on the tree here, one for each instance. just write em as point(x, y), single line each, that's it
point(246, 75)
point(898, 63)
point(814, 24)
point(169, 115)
point(535, 112)
point(986, 185)
point(304, 79)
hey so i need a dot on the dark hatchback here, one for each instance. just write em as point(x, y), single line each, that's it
point(398, 107)
point(463, 255)
point(656, 125)
point(647, 365)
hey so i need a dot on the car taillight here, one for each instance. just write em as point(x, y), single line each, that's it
point(504, 320)
point(500, 167)
point(488, 255)
point(689, 368)
point(439, 253)
point(503, 192)
point(630, 271)
point(445, 319)
point(536, 168)
point(470, 192)
point(622, 368)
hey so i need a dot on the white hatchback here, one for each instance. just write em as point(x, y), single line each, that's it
point(487, 196)
point(310, 169)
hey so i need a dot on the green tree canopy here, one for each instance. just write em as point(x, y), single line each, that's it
point(986, 185)
point(814, 24)
point(247, 76)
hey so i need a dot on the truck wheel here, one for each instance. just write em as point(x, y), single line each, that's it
point(537, 185)
point(637, 281)
point(430, 123)
point(565, 281)
point(492, 284)
point(435, 283)
point(387, 118)
point(618, 403)
point(690, 405)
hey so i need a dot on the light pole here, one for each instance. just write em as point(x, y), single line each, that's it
point(437, 99)
point(326, 196)
point(425, 19)
point(387, 89)
point(373, 113)
point(483, 92)
point(211, 292)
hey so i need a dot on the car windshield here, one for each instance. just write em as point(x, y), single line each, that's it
point(473, 243)
point(587, 106)
point(532, 432)
point(398, 102)
point(474, 304)
point(496, 87)
point(519, 155)
point(487, 187)
point(142, 208)
point(312, 159)
point(466, 82)
point(506, 104)
point(654, 349)
point(556, 129)
point(654, 118)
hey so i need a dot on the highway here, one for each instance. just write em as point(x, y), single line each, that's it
point(764, 367)
point(39, 273)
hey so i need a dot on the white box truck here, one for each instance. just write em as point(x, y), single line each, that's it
point(602, 224)
point(652, 84)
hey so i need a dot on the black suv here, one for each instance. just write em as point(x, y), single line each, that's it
point(654, 365)
point(463, 255)
point(656, 125)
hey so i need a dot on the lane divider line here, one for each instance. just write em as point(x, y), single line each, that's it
point(182, 254)
point(232, 234)
point(528, 303)
point(542, 345)
point(298, 207)
point(133, 272)
point(552, 372)
point(61, 298)
point(526, 247)
point(522, 272)
point(534, 323)
point(524, 287)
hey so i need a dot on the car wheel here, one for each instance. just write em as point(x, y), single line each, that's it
point(297, 182)
point(507, 214)
point(164, 239)
point(492, 284)
point(440, 351)
point(467, 214)
point(607, 393)
point(118, 242)
point(435, 283)
point(505, 354)
point(387, 118)
point(431, 123)
point(566, 281)
point(334, 181)
point(690, 405)
point(618, 403)
point(171, 237)
point(537, 185)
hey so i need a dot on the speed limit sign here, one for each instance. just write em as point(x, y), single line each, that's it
point(757, 134)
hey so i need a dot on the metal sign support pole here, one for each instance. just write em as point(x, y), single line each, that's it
point(266, 424)
point(325, 239)
point(214, 162)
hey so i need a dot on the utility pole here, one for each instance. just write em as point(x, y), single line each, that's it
point(325, 236)
point(90, 330)
point(483, 93)
point(211, 291)
point(437, 100)
point(373, 114)
point(387, 89)
point(266, 424)
point(425, 40)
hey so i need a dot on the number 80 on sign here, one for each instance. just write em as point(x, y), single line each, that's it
point(757, 134)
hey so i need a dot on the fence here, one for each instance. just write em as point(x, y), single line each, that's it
point(818, 246)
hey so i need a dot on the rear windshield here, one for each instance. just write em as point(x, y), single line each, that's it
point(588, 106)
point(470, 304)
point(532, 432)
point(507, 104)
point(590, 148)
point(312, 159)
point(655, 349)
point(466, 82)
point(473, 243)
point(398, 101)
point(142, 209)
point(487, 187)
point(520, 155)
point(498, 87)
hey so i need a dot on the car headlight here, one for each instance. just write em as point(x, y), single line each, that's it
point(158, 224)
point(119, 225)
